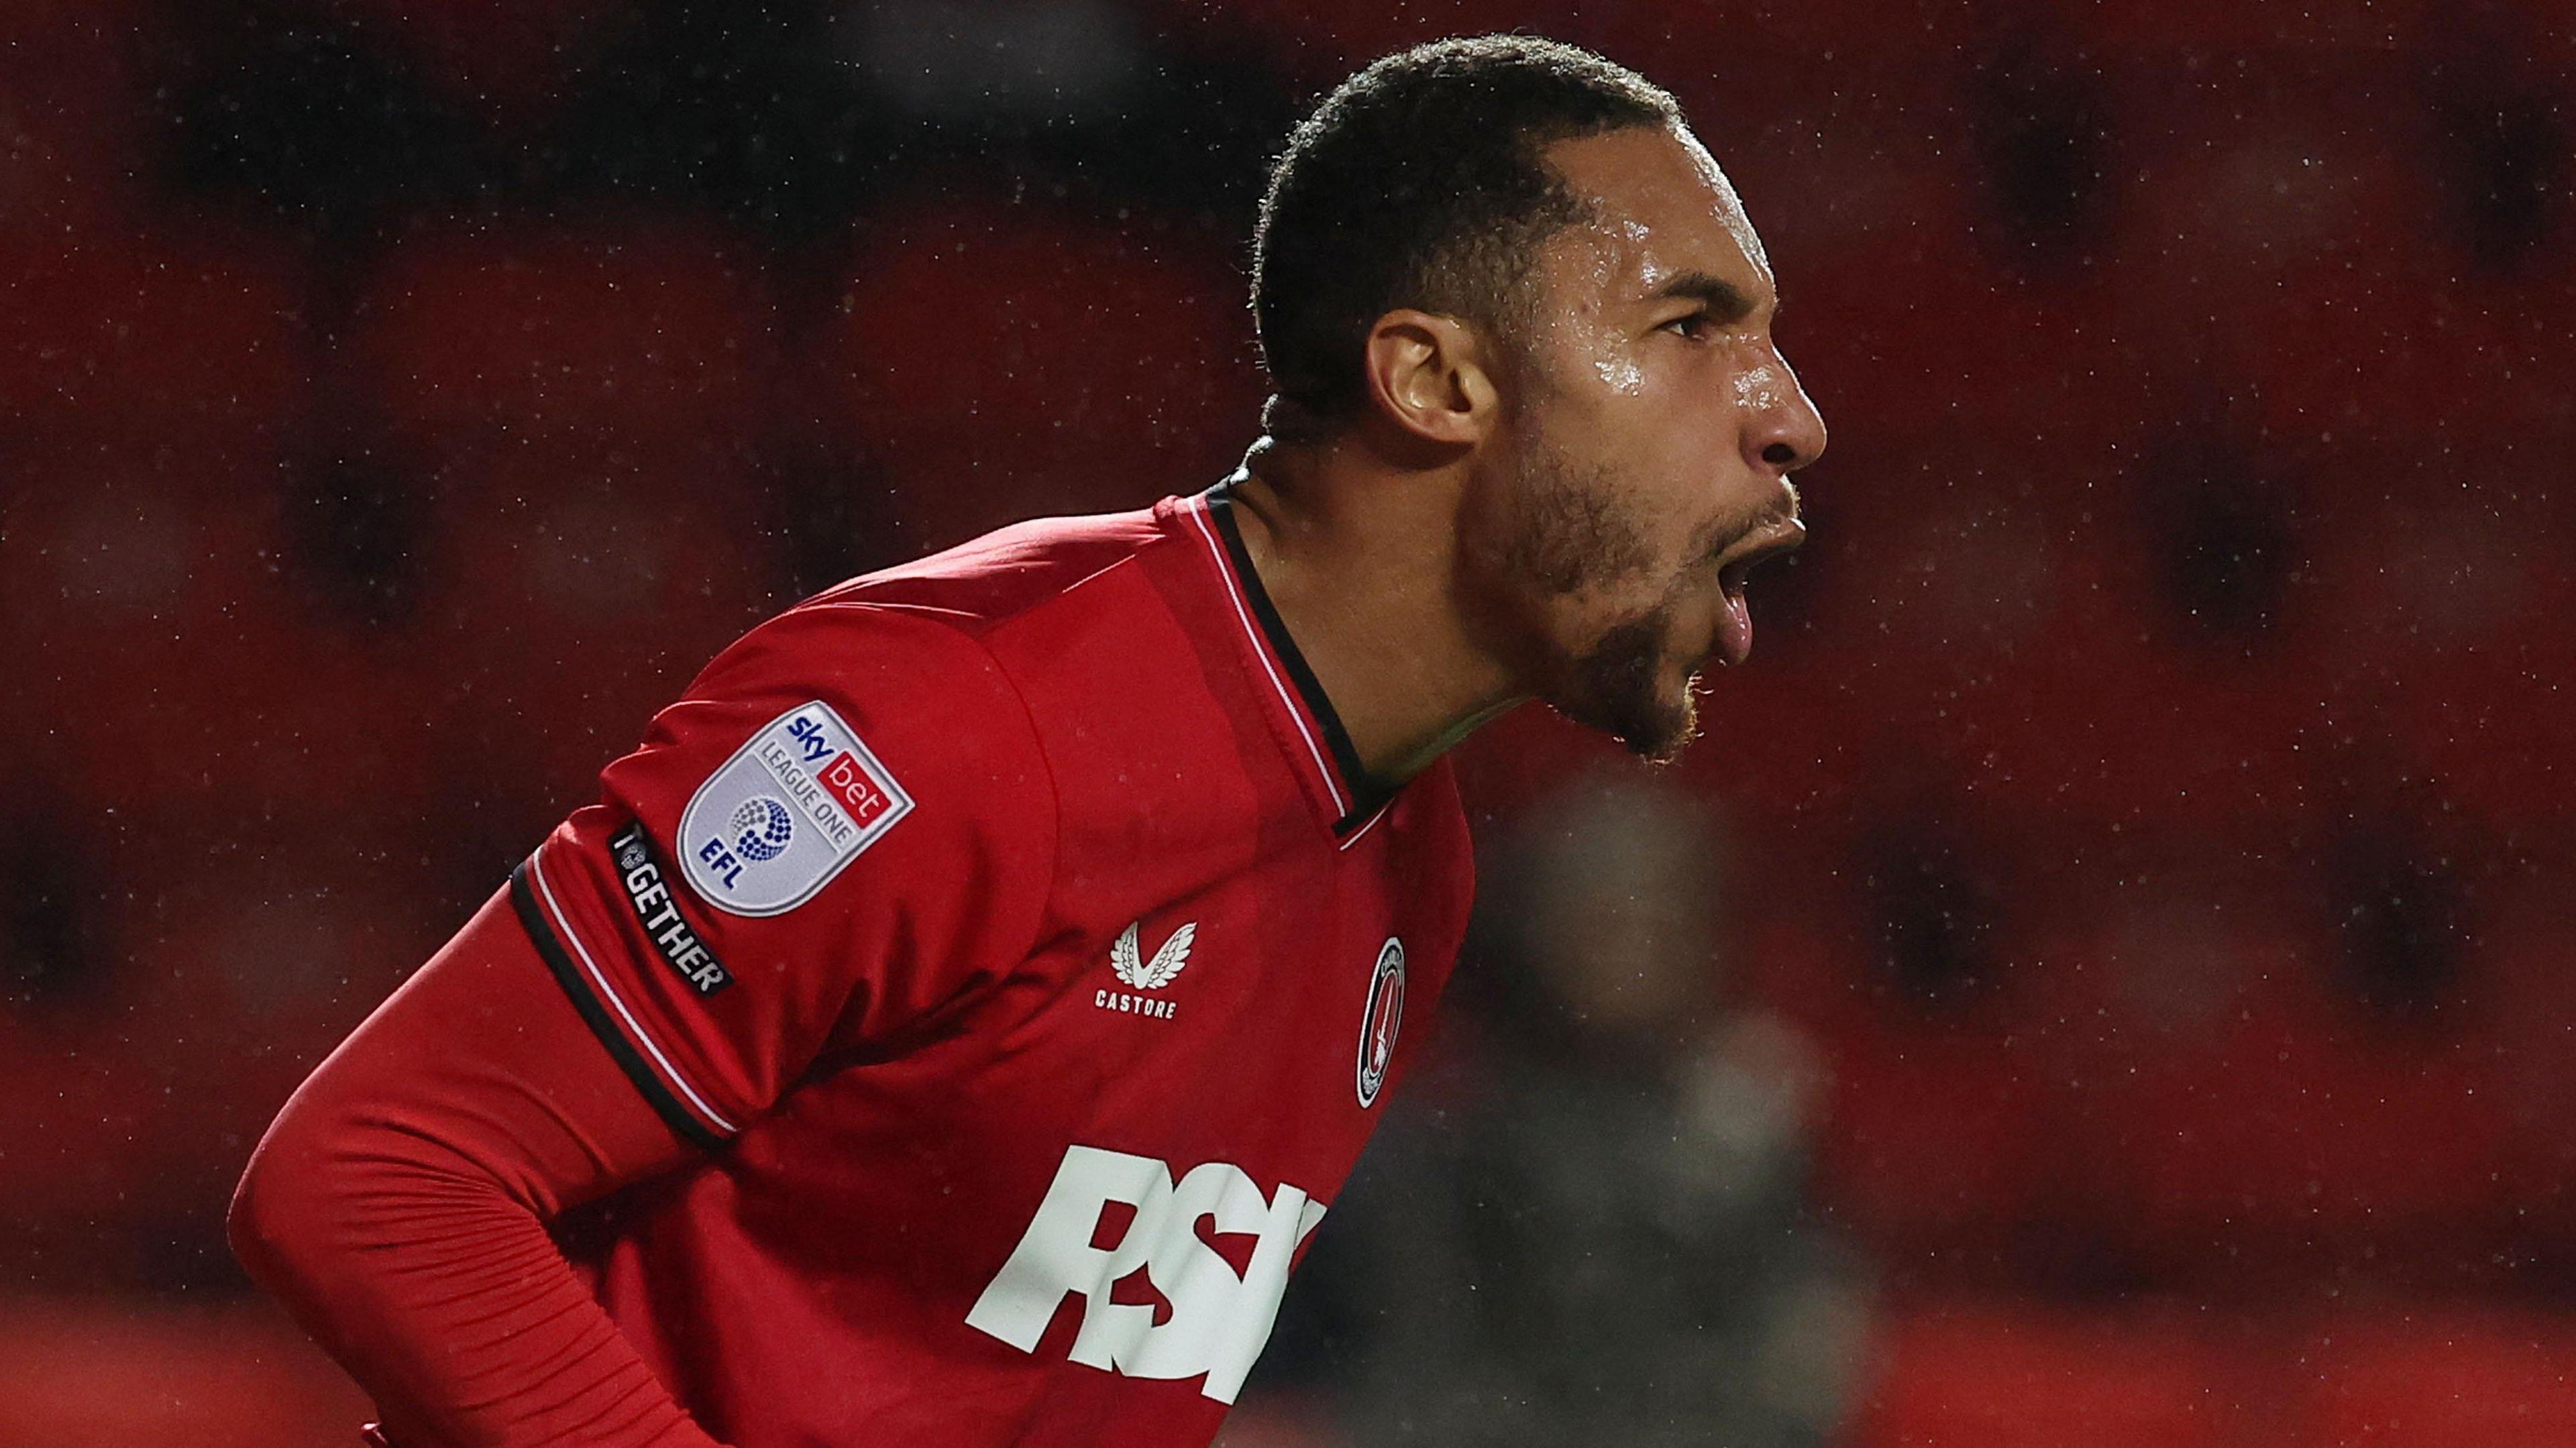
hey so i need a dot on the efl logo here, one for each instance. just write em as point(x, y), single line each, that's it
point(1219, 1322)
point(797, 802)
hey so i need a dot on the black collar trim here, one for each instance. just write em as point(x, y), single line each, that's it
point(1367, 794)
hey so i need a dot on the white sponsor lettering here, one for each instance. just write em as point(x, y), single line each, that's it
point(1219, 1322)
point(1134, 1005)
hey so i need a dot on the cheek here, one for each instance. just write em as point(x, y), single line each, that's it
point(1698, 404)
point(1621, 372)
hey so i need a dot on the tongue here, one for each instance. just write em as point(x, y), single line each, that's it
point(1735, 628)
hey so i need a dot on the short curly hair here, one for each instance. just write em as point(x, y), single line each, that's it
point(1419, 183)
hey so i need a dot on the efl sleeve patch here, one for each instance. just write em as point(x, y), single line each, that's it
point(797, 802)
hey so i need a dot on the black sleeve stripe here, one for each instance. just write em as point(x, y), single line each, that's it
point(629, 1060)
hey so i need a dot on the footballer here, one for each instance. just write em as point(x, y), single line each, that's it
point(953, 1021)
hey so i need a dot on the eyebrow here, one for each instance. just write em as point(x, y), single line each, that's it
point(1722, 297)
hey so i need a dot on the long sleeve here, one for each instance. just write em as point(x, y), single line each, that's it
point(398, 1207)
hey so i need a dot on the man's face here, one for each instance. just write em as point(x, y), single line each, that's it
point(1651, 425)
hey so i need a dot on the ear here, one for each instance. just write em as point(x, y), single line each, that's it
point(1430, 376)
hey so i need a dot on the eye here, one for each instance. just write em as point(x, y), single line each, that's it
point(1688, 324)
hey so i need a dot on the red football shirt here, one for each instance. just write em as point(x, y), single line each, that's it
point(1020, 931)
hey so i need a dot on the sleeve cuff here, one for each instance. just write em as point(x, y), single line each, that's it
point(679, 1105)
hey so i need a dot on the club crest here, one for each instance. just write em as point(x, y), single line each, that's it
point(1380, 1020)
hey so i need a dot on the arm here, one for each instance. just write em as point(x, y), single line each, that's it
point(398, 1208)
point(628, 1000)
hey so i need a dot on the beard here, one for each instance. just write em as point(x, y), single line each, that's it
point(1618, 689)
point(1570, 537)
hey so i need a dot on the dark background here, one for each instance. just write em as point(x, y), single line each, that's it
point(2151, 797)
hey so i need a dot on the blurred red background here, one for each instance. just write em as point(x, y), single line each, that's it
point(2155, 779)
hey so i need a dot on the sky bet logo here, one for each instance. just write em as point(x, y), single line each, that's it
point(797, 802)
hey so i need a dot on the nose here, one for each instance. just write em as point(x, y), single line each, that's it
point(1786, 432)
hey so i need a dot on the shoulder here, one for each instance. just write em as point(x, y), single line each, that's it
point(833, 727)
point(1008, 574)
point(924, 645)
point(1081, 619)
point(887, 657)
point(917, 639)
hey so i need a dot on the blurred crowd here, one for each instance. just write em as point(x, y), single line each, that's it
point(2110, 955)
point(1589, 1222)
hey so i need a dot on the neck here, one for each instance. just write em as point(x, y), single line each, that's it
point(1360, 560)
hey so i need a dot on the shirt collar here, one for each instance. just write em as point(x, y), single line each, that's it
point(1356, 795)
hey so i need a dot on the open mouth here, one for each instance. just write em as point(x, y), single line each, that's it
point(1734, 568)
